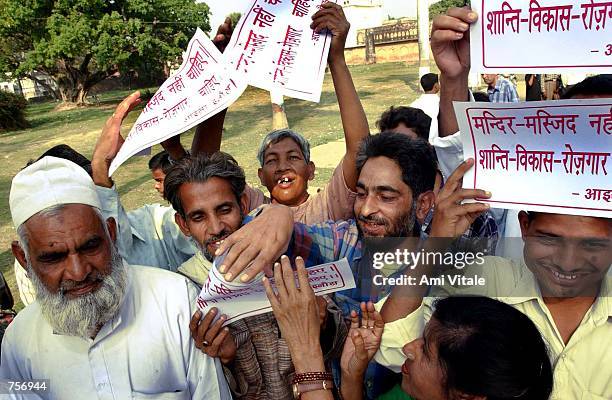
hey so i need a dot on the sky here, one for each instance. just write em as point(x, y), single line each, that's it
point(221, 8)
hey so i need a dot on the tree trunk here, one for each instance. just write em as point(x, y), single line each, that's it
point(75, 84)
point(279, 118)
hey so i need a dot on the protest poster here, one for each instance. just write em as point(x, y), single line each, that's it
point(542, 36)
point(239, 300)
point(199, 89)
point(552, 156)
point(274, 48)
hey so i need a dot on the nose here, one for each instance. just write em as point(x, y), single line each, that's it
point(567, 256)
point(158, 186)
point(283, 164)
point(77, 268)
point(369, 206)
point(215, 226)
point(410, 349)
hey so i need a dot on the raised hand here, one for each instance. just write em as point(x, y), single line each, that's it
point(450, 41)
point(331, 17)
point(451, 218)
point(363, 342)
point(110, 141)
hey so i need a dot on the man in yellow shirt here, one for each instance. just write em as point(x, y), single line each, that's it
point(563, 284)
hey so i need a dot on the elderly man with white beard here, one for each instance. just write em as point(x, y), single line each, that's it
point(99, 328)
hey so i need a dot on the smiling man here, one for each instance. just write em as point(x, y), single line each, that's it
point(207, 193)
point(86, 328)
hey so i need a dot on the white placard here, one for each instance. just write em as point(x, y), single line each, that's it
point(274, 48)
point(533, 36)
point(549, 156)
point(238, 300)
point(198, 90)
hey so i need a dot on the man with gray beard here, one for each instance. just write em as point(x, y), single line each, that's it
point(99, 328)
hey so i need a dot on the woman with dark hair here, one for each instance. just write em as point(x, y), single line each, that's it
point(477, 348)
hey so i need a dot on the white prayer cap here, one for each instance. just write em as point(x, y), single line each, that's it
point(48, 182)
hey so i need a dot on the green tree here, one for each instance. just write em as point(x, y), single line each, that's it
point(443, 5)
point(79, 43)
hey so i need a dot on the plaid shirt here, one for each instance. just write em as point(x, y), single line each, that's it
point(503, 92)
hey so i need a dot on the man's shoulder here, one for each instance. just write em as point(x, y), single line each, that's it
point(159, 281)
point(28, 323)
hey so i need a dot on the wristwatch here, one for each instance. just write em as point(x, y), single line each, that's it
point(303, 387)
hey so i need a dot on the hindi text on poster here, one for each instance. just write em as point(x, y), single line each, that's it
point(541, 156)
point(542, 36)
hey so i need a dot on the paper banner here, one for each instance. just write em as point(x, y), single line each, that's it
point(238, 300)
point(197, 91)
point(550, 156)
point(529, 36)
point(274, 48)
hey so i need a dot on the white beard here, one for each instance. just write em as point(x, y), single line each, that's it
point(83, 316)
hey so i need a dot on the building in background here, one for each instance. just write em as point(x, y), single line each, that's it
point(362, 14)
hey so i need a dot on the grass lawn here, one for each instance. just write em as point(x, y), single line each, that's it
point(248, 120)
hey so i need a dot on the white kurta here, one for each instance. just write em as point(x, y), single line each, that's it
point(145, 352)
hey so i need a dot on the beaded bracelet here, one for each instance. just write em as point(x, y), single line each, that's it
point(312, 376)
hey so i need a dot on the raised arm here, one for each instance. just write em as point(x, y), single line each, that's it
point(354, 120)
point(450, 46)
point(207, 138)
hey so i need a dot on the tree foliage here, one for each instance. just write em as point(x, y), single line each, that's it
point(81, 42)
point(12, 111)
point(443, 5)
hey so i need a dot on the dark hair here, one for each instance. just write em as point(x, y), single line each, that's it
point(281, 134)
point(488, 348)
point(415, 157)
point(481, 96)
point(161, 161)
point(598, 85)
point(413, 118)
point(67, 153)
point(200, 168)
point(428, 81)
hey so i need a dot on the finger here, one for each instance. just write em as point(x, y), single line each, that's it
point(227, 244)
point(323, 12)
point(230, 258)
point(244, 262)
point(371, 310)
point(463, 194)
point(354, 320)
point(280, 284)
point(364, 314)
point(270, 293)
point(360, 352)
point(212, 333)
point(302, 275)
point(262, 262)
point(220, 339)
point(205, 324)
point(288, 277)
point(193, 324)
point(464, 14)
point(454, 180)
point(126, 106)
point(448, 23)
point(379, 324)
point(328, 22)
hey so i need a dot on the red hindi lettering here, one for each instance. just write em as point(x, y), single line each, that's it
point(263, 18)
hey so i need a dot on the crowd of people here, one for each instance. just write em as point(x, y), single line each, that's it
point(111, 292)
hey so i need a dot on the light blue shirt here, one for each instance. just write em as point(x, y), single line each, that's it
point(147, 235)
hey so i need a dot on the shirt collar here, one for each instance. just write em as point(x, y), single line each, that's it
point(527, 289)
